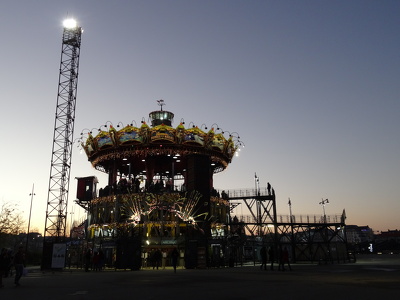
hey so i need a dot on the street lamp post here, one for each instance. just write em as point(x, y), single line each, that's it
point(323, 202)
point(290, 211)
point(70, 226)
point(257, 184)
point(29, 220)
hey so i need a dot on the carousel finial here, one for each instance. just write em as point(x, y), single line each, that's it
point(161, 103)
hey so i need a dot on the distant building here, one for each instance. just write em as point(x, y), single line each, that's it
point(390, 234)
point(359, 237)
point(388, 241)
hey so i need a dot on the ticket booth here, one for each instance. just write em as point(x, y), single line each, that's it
point(86, 190)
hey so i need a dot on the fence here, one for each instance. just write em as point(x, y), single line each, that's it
point(313, 219)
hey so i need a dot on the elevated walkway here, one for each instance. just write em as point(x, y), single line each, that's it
point(308, 238)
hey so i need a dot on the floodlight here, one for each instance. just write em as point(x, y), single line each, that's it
point(69, 23)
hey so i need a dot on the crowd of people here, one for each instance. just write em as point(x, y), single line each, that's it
point(158, 259)
point(10, 261)
point(222, 195)
point(123, 186)
point(269, 255)
point(133, 185)
point(94, 260)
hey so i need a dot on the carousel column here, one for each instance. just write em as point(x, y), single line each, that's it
point(198, 179)
point(211, 179)
point(112, 175)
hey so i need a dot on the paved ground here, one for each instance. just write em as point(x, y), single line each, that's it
point(372, 277)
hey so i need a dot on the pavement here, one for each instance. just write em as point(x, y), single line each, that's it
point(371, 277)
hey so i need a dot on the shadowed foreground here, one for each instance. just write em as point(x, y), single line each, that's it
point(371, 277)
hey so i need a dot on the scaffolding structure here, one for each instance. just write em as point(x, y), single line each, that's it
point(316, 240)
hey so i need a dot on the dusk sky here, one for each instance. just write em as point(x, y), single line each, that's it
point(312, 88)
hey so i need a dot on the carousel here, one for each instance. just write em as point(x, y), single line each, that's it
point(160, 194)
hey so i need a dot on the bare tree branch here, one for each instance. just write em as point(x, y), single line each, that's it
point(11, 221)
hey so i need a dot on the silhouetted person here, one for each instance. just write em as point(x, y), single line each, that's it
point(9, 264)
point(88, 259)
point(157, 258)
point(271, 254)
point(263, 254)
point(136, 185)
point(174, 256)
point(164, 259)
point(96, 261)
point(284, 259)
point(101, 260)
point(3, 265)
point(19, 264)
point(269, 188)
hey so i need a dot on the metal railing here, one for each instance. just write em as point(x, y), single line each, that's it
point(246, 192)
point(312, 219)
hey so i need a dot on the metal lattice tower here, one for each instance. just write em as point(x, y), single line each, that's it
point(57, 200)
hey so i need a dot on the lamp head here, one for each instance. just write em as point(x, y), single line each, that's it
point(69, 23)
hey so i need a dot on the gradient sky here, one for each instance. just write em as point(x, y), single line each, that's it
point(312, 87)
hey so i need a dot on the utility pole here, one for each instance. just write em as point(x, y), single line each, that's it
point(29, 220)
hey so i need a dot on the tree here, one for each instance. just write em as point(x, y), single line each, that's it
point(11, 222)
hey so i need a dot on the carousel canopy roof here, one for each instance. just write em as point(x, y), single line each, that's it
point(134, 146)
